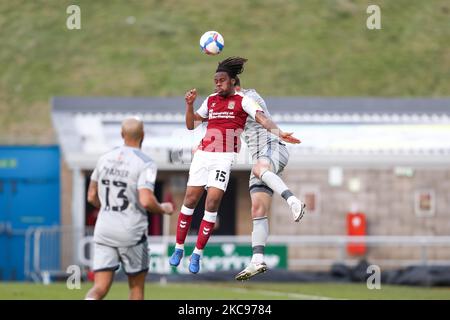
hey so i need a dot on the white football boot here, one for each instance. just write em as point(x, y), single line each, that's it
point(251, 270)
point(298, 209)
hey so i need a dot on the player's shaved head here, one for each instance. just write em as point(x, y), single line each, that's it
point(133, 131)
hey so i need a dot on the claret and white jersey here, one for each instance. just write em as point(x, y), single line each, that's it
point(122, 222)
point(226, 121)
point(214, 158)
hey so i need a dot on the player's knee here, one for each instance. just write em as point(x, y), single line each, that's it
point(212, 204)
point(256, 171)
point(258, 210)
point(190, 201)
point(259, 168)
point(100, 291)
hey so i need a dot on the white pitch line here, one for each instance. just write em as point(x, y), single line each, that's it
point(278, 293)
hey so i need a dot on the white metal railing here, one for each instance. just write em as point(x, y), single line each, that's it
point(47, 248)
point(44, 248)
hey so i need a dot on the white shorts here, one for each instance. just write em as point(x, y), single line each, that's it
point(134, 259)
point(211, 169)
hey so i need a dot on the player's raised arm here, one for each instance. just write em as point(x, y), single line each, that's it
point(192, 119)
point(271, 126)
point(257, 113)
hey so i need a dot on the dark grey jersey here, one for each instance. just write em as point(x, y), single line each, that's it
point(120, 173)
point(255, 136)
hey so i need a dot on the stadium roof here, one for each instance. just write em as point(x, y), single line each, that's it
point(354, 131)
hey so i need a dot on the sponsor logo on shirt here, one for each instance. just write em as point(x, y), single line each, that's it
point(221, 115)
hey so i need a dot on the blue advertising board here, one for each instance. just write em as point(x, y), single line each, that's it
point(29, 197)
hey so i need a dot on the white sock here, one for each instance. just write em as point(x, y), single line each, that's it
point(259, 238)
point(257, 258)
point(198, 251)
point(274, 182)
point(187, 211)
point(210, 216)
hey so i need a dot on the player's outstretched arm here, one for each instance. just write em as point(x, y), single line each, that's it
point(92, 196)
point(271, 126)
point(148, 201)
point(192, 119)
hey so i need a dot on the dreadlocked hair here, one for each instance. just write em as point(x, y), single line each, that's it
point(233, 66)
point(237, 82)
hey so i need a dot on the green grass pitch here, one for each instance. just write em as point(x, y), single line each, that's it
point(228, 291)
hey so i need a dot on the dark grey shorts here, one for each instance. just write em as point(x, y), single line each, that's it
point(278, 155)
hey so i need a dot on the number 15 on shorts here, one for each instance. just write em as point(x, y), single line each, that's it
point(221, 175)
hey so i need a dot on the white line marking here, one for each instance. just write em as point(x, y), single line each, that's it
point(278, 293)
point(291, 295)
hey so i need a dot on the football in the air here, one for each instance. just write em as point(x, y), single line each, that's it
point(212, 43)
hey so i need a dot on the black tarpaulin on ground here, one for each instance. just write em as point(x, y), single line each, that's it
point(413, 275)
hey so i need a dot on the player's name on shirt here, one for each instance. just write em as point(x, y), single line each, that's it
point(115, 172)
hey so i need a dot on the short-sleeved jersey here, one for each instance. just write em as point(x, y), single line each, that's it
point(256, 136)
point(226, 120)
point(122, 222)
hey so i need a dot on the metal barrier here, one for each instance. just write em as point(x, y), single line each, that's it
point(49, 251)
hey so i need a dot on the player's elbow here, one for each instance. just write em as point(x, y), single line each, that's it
point(260, 119)
point(145, 202)
point(92, 198)
point(148, 201)
point(190, 125)
point(265, 122)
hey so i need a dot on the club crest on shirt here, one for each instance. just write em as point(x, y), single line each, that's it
point(213, 105)
point(231, 105)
